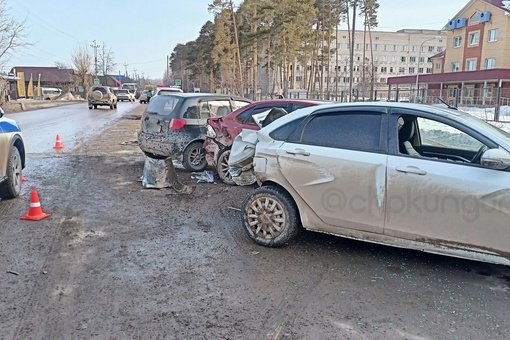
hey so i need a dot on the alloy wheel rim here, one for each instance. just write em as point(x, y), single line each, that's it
point(16, 170)
point(224, 165)
point(197, 156)
point(266, 218)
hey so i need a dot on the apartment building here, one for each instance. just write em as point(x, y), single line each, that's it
point(474, 68)
point(388, 54)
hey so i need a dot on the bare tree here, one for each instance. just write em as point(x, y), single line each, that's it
point(106, 60)
point(12, 34)
point(82, 61)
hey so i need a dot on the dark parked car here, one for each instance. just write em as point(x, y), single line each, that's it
point(222, 131)
point(12, 157)
point(174, 125)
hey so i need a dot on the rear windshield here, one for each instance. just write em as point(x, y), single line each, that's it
point(123, 91)
point(100, 89)
point(163, 105)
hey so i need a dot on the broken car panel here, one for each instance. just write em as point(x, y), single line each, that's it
point(405, 175)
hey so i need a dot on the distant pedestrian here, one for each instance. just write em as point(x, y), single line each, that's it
point(149, 95)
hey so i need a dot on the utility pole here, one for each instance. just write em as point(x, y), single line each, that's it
point(95, 47)
point(125, 67)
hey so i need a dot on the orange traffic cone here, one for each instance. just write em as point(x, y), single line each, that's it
point(35, 212)
point(58, 143)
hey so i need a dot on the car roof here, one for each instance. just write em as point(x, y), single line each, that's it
point(201, 94)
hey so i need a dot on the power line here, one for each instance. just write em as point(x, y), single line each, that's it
point(46, 23)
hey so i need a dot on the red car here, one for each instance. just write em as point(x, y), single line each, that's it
point(222, 131)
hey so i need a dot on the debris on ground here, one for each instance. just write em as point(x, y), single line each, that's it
point(160, 173)
point(130, 142)
point(203, 177)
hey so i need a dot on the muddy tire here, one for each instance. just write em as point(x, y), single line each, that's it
point(95, 107)
point(90, 107)
point(270, 217)
point(222, 167)
point(11, 187)
point(115, 105)
point(193, 158)
point(111, 106)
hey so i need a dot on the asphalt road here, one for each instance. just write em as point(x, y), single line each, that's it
point(116, 261)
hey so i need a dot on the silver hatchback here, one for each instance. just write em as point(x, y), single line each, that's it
point(406, 175)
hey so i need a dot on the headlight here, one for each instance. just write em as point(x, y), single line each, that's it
point(210, 132)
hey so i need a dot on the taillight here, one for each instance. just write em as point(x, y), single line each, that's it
point(176, 124)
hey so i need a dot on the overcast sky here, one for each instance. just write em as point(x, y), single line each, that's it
point(143, 33)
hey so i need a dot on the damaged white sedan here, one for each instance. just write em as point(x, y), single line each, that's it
point(406, 175)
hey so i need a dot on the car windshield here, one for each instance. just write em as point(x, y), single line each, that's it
point(163, 105)
point(100, 89)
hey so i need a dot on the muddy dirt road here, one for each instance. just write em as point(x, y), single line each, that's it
point(116, 261)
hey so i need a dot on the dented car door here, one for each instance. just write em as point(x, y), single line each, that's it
point(336, 162)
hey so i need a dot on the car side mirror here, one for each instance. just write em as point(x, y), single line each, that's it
point(1, 112)
point(497, 159)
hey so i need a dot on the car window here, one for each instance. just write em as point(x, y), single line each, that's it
point(100, 89)
point(237, 104)
point(283, 132)
point(356, 131)
point(247, 116)
point(214, 108)
point(163, 105)
point(434, 133)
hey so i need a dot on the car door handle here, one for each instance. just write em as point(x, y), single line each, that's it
point(411, 170)
point(298, 152)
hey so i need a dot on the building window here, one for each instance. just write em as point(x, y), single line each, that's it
point(376, 47)
point(429, 70)
point(431, 48)
point(382, 80)
point(394, 58)
point(473, 38)
point(457, 41)
point(401, 70)
point(385, 47)
point(384, 69)
point(412, 70)
point(439, 48)
point(455, 66)
point(404, 48)
point(384, 58)
point(299, 78)
point(420, 70)
point(391, 69)
point(422, 59)
point(367, 47)
point(358, 47)
point(490, 63)
point(403, 59)
point(422, 48)
point(471, 65)
point(475, 19)
point(413, 48)
point(493, 35)
point(412, 59)
point(469, 91)
point(438, 66)
point(395, 48)
point(339, 46)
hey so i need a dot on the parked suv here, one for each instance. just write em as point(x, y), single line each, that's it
point(222, 131)
point(12, 157)
point(101, 95)
point(174, 125)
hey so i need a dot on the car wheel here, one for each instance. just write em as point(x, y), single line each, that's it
point(270, 216)
point(222, 167)
point(194, 157)
point(112, 106)
point(11, 187)
point(90, 107)
point(115, 105)
point(95, 107)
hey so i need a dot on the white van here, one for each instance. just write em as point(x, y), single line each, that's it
point(49, 93)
